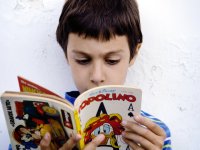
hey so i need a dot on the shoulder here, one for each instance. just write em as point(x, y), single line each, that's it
point(9, 147)
point(167, 142)
point(71, 96)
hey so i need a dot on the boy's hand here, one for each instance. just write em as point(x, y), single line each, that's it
point(73, 140)
point(95, 142)
point(144, 134)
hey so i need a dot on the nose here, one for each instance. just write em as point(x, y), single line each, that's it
point(97, 75)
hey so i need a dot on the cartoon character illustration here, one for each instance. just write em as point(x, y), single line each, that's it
point(35, 113)
point(27, 137)
point(109, 125)
point(30, 138)
point(41, 118)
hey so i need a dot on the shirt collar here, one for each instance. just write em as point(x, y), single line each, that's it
point(71, 96)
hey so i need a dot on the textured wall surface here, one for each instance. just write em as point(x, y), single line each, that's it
point(167, 68)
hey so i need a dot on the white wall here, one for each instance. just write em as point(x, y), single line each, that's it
point(167, 68)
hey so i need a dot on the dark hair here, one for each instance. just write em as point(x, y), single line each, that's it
point(100, 19)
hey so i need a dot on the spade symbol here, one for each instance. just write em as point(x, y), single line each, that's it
point(130, 114)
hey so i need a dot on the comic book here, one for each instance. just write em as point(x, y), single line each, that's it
point(29, 86)
point(99, 110)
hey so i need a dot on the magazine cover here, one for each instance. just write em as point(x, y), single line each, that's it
point(29, 118)
point(102, 109)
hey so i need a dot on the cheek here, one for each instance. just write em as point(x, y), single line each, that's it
point(119, 79)
point(79, 73)
point(118, 75)
point(80, 77)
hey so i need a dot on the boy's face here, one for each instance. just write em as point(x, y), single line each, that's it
point(95, 63)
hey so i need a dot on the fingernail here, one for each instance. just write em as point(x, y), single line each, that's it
point(123, 133)
point(75, 137)
point(124, 122)
point(46, 136)
point(78, 137)
point(100, 137)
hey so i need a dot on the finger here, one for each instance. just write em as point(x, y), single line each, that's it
point(135, 128)
point(136, 140)
point(133, 145)
point(95, 142)
point(150, 125)
point(73, 140)
point(45, 142)
point(145, 132)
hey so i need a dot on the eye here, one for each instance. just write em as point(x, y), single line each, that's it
point(96, 131)
point(28, 136)
point(112, 61)
point(106, 129)
point(83, 61)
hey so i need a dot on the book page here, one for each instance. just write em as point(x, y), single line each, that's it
point(101, 110)
point(29, 117)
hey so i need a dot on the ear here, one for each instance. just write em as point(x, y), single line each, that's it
point(136, 53)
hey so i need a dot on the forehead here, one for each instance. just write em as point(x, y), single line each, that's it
point(90, 45)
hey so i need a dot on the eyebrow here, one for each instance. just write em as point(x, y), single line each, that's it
point(80, 52)
point(86, 54)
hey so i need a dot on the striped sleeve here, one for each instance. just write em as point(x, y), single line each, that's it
point(167, 142)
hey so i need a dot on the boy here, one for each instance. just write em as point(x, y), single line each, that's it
point(101, 39)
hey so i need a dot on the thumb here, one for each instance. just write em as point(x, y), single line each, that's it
point(45, 142)
point(95, 142)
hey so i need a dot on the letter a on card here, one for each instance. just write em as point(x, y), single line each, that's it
point(101, 110)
